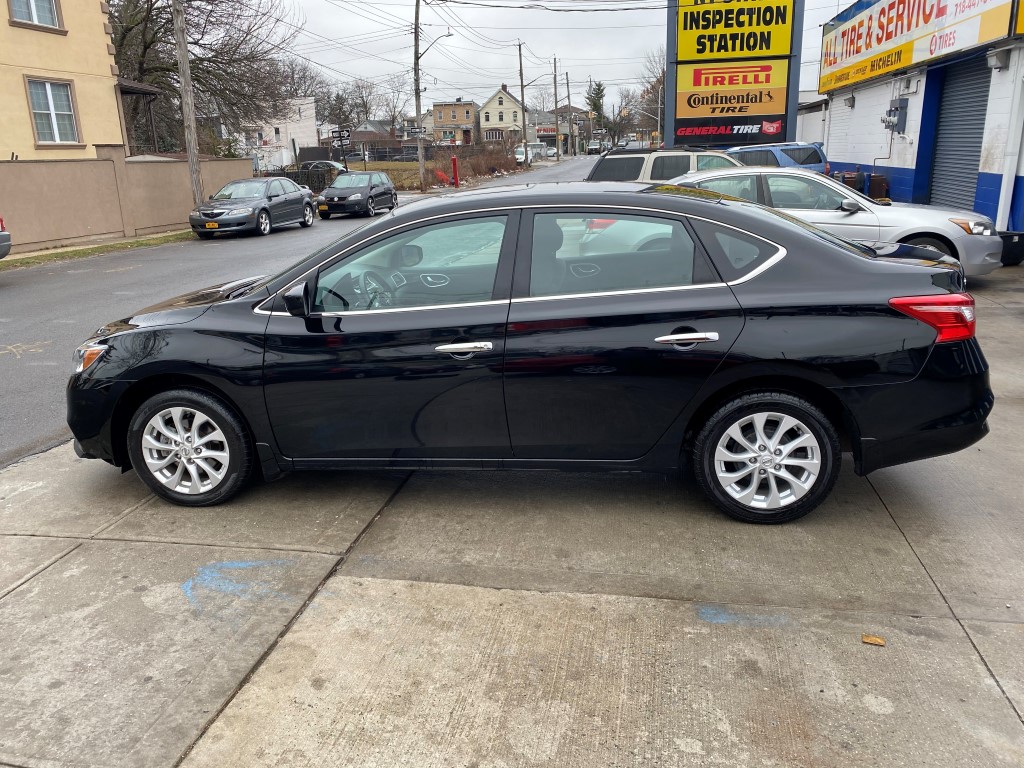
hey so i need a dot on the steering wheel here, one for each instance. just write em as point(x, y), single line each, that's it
point(376, 290)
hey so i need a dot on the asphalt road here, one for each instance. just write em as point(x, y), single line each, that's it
point(48, 310)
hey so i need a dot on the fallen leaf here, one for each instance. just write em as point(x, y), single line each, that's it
point(873, 640)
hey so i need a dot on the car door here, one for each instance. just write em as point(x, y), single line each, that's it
point(400, 354)
point(820, 203)
point(382, 197)
point(280, 209)
point(605, 348)
point(296, 198)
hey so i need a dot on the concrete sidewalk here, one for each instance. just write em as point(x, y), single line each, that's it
point(477, 618)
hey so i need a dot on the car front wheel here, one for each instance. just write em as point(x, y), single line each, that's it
point(189, 448)
point(263, 224)
point(370, 207)
point(767, 457)
point(307, 216)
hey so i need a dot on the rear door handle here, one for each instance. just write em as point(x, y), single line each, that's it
point(688, 338)
point(465, 348)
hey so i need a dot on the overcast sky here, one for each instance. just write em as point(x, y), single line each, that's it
point(373, 39)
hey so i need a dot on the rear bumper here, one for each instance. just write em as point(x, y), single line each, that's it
point(5, 243)
point(944, 410)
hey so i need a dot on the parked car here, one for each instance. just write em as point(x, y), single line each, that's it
point(358, 156)
point(5, 239)
point(623, 143)
point(656, 164)
point(968, 237)
point(407, 157)
point(358, 192)
point(791, 154)
point(253, 205)
point(551, 152)
point(594, 148)
point(371, 353)
point(519, 153)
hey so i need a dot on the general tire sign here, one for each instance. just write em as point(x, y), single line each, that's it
point(734, 70)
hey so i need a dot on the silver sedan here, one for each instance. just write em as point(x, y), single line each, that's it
point(969, 237)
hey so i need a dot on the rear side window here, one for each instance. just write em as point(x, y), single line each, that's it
point(710, 162)
point(756, 157)
point(669, 166)
point(617, 169)
point(804, 155)
point(735, 253)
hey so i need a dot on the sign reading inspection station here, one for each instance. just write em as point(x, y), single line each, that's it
point(732, 70)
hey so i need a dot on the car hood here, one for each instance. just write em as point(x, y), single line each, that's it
point(180, 309)
point(227, 205)
point(935, 210)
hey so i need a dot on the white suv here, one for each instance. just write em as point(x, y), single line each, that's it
point(657, 164)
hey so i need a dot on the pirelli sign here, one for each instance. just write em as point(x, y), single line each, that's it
point(734, 67)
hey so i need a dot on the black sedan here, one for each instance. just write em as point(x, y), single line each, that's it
point(253, 205)
point(470, 331)
point(359, 192)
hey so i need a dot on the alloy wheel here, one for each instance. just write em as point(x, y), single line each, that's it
point(263, 223)
point(185, 450)
point(767, 461)
point(307, 215)
point(369, 207)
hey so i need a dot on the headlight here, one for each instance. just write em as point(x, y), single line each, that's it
point(87, 354)
point(239, 212)
point(356, 196)
point(975, 226)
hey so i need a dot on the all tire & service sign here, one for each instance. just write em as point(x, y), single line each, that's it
point(733, 73)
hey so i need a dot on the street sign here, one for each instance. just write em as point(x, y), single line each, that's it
point(336, 144)
point(345, 142)
point(345, 133)
point(579, 123)
point(340, 133)
point(415, 131)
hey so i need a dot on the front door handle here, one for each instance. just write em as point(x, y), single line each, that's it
point(688, 338)
point(465, 348)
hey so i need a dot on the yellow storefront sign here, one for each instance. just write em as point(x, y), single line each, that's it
point(753, 87)
point(734, 29)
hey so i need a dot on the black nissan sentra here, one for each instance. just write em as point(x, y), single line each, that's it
point(472, 331)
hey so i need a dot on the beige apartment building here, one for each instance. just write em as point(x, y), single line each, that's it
point(58, 80)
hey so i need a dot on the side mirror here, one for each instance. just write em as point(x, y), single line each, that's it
point(210, 197)
point(296, 300)
point(850, 206)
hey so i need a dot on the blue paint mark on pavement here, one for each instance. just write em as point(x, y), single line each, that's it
point(717, 614)
point(230, 578)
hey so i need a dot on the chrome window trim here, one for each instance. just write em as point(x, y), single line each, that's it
point(385, 310)
point(629, 292)
point(780, 254)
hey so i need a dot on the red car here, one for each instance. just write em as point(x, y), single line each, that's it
point(5, 239)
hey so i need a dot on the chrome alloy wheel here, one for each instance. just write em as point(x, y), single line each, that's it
point(767, 461)
point(263, 223)
point(185, 450)
point(307, 215)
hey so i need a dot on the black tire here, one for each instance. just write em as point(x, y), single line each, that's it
point(733, 414)
point(394, 200)
point(371, 209)
point(236, 444)
point(325, 215)
point(930, 242)
point(307, 216)
point(1012, 261)
point(264, 224)
point(204, 235)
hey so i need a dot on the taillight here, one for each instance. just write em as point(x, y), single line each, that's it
point(951, 315)
point(597, 225)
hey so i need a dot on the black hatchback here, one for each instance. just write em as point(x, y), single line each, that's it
point(361, 192)
point(566, 326)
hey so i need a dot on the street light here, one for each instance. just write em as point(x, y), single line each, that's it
point(416, 56)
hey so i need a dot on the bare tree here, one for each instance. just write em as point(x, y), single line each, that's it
point(365, 98)
point(235, 49)
point(302, 79)
point(652, 94)
point(395, 94)
point(541, 99)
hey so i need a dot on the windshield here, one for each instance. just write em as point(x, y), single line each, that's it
point(237, 189)
point(349, 180)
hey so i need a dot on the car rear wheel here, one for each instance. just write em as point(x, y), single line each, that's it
point(307, 216)
point(263, 224)
point(189, 448)
point(931, 242)
point(767, 457)
point(394, 200)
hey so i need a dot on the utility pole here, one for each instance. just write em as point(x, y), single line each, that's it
point(522, 100)
point(558, 139)
point(568, 101)
point(416, 85)
point(188, 102)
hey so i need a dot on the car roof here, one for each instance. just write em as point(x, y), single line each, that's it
point(777, 145)
point(746, 169)
point(663, 151)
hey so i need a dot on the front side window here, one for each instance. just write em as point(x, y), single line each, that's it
point(600, 253)
point(452, 262)
point(743, 186)
point(42, 12)
point(276, 187)
point(800, 194)
point(53, 112)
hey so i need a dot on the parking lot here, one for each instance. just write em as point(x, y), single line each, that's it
point(521, 619)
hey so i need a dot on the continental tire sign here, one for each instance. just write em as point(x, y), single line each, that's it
point(733, 70)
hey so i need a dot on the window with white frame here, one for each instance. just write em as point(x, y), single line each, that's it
point(501, 101)
point(453, 115)
point(43, 12)
point(515, 117)
point(53, 112)
point(501, 117)
point(487, 117)
point(467, 114)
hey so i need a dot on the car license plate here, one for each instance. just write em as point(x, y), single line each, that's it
point(323, 207)
point(212, 225)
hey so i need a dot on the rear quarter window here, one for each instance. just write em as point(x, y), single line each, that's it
point(756, 157)
point(735, 253)
point(804, 155)
point(667, 167)
point(617, 169)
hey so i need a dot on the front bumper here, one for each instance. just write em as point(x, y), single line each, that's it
point(944, 410)
point(224, 223)
point(342, 206)
point(91, 405)
point(5, 243)
point(980, 254)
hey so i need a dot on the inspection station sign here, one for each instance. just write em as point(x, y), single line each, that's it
point(890, 35)
point(733, 70)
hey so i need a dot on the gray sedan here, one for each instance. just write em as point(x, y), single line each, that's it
point(969, 237)
point(257, 205)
